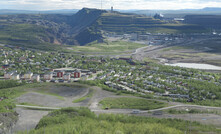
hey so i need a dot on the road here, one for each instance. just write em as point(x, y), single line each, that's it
point(30, 115)
point(125, 111)
point(156, 50)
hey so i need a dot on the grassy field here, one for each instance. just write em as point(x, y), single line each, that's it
point(177, 48)
point(112, 47)
point(131, 103)
point(28, 104)
point(83, 121)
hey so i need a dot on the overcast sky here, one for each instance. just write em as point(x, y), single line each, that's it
point(118, 4)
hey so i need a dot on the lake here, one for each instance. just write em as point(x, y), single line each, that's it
point(196, 66)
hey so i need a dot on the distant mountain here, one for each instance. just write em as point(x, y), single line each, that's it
point(211, 9)
point(63, 11)
point(177, 13)
point(36, 30)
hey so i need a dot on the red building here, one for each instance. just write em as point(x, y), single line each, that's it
point(5, 67)
point(77, 74)
point(60, 74)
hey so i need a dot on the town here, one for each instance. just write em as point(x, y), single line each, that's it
point(121, 74)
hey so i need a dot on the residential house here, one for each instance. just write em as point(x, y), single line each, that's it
point(5, 67)
point(15, 76)
point(28, 76)
point(48, 76)
point(8, 75)
point(36, 77)
point(60, 74)
point(22, 58)
point(67, 77)
point(77, 74)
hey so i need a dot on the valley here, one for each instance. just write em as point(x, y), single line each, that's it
point(101, 71)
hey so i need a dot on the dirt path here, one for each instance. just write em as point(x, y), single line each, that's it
point(98, 96)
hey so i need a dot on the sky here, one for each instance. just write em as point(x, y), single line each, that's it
point(106, 4)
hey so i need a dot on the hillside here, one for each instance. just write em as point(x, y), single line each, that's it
point(130, 23)
point(208, 21)
point(39, 30)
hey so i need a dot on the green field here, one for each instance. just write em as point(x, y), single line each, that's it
point(131, 103)
point(110, 47)
point(83, 121)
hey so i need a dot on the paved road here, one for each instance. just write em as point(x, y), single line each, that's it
point(126, 111)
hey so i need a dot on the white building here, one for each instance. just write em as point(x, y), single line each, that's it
point(9, 75)
point(48, 76)
point(28, 75)
point(36, 77)
point(67, 77)
point(15, 76)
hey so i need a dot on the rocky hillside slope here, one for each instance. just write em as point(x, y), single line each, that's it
point(40, 30)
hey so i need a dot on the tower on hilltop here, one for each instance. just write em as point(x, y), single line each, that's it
point(112, 9)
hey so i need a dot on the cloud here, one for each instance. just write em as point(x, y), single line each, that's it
point(106, 4)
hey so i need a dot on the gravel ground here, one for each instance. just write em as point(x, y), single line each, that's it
point(69, 94)
point(28, 119)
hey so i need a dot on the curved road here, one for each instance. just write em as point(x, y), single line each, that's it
point(126, 111)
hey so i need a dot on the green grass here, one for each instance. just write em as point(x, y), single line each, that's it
point(28, 104)
point(177, 48)
point(83, 121)
point(131, 103)
point(89, 95)
point(147, 59)
point(110, 47)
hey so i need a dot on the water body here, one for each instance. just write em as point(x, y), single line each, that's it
point(196, 66)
